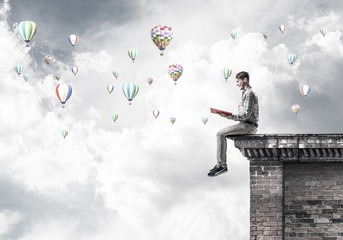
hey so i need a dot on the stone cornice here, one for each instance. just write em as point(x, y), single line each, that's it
point(291, 147)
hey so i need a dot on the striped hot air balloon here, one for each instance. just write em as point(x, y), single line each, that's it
point(63, 92)
point(204, 120)
point(110, 88)
point(282, 28)
point(74, 69)
point(233, 35)
point(73, 39)
point(265, 35)
point(295, 108)
point(156, 113)
point(162, 36)
point(150, 80)
point(48, 59)
point(130, 90)
point(64, 133)
point(27, 30)
point(133, 54)
point(26, 77)
point(172, 120)
point(18, 69)
point(116, 74)
point(175, 71)
point(226, 73)
point(323, 31)
point(115, 117)
point(305, 89)
point(291, 58)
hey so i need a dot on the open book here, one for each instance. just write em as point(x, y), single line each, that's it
point(213, 110)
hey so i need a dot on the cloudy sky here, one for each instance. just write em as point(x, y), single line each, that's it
point(141, 178)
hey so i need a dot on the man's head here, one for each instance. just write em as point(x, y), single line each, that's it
point(242, 80)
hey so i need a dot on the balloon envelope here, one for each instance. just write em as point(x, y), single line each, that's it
point(172, 120)
point(26, 77)
point(204, 120)
point(64, 133)
point(226, 73)
point(175, 71)
point(27, 30)
point(156, 113)
point(282, 28)
point(73, 39)
point(291, 58)
point(116, 73)
point(149, 80)
point(233, 35)
point(130, 90)
point(133, 54)
point(58, 76)
point(63, 92)
point(48, 59)
point(323, 31)
point(115, 116)
point(74, 69)
point(162, 36)
point(110, 88)
point(265, 35)
point(305, 89)
point(295, 108)
point(18, 69)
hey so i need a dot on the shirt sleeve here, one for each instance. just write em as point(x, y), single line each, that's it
point(246, 108)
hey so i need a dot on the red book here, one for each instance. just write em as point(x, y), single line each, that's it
point(213, 110)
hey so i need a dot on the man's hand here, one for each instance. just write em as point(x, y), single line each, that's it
point(225, 115)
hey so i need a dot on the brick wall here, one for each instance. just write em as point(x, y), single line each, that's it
point(266, 200)
point(313, 201)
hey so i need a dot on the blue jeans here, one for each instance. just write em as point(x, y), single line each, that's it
point(238, 129)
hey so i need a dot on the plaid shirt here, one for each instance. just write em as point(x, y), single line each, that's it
point(248, 108)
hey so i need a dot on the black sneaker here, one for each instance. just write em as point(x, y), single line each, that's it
point(213, 168)
point(217, 171)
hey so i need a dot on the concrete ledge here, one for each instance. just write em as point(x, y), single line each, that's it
point(291, 147)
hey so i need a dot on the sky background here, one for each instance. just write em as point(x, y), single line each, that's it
point(141, 178)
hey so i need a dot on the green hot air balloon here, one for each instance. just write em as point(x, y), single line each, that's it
point(133, 54)
point(226, 73)
point(27, 30)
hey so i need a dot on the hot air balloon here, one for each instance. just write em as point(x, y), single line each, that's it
point(295, 108)
point(115, 117)
point(282, 28)
point(48, 59)
point(204, 120)
point(323, 31)
point(305, 89)
point(110, 88)
point(58, 76)
point(172, 120)
point(74, 69)
point(18, 69)
point(161, 36)
point(64, 133)
point(156, 113)
point(233, 35)
point(26, 77)
point(175, 71)
point(27, 30)
point(265, 35)
point(133, 54)
point(63, 92)
point(130, 90)
point(116, 74)
point(150, 80)
point(73, 39)
point(226, 72)
point(291, 58)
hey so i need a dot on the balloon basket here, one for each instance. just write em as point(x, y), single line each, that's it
point(27, 45)
point(133, 61)
point(161, 54)
point(130, 103)
point(174, 83)
point(63, 106)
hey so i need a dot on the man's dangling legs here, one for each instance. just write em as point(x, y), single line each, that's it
point(238, 129)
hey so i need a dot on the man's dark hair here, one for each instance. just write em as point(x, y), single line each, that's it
point(242, 75)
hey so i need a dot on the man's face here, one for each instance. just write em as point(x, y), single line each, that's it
point(240, 83)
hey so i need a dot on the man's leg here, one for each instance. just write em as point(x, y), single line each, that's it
point(238, 129)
